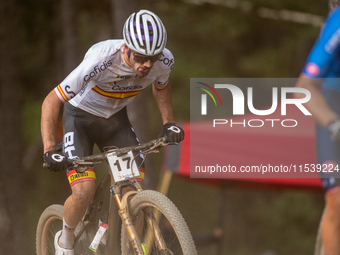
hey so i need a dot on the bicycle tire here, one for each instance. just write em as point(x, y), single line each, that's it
point(178, 239)
point(50, 222)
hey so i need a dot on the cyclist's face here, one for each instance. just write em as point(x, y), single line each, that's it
point(140, 64)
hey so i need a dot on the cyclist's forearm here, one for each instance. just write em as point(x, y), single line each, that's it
point(317, 105)
point(49, 120)
point(163, 100)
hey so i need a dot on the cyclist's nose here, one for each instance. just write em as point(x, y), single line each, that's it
point(148, 63)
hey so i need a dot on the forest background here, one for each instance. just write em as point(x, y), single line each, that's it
point(43, 40)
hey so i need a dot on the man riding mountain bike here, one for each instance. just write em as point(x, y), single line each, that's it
point(95, 95)
point(321, 77)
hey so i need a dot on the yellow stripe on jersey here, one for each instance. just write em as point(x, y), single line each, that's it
point(116, 95)
point(62, 93)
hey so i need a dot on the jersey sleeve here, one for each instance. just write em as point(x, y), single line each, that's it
point(166, 65)
point(92, 67)
point(325, 50)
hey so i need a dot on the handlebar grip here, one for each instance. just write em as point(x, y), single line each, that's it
point(70, 162)
point(164, 139)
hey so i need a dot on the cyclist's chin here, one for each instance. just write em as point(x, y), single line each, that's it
point(142, 72)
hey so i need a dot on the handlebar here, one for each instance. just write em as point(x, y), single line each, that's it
point(97, 158)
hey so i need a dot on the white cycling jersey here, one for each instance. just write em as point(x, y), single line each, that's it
point(104, 82)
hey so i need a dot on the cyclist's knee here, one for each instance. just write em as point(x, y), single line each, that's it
point(82, 193)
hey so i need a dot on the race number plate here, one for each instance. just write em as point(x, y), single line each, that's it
point(124, 167)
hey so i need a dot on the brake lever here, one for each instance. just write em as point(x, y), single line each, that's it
point(172, 143)
point(81, 166)
point(80, 163)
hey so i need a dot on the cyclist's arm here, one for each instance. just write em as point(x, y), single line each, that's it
point(317, 105)
point(317, 68)
point(49, 119)
point(163, 100)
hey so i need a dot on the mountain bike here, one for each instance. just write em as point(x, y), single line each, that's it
point(164, 230)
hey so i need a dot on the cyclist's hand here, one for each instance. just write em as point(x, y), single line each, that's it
point(55, 161)
point(173, 133)
point(334, 129)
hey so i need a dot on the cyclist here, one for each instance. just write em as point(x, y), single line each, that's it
point(319, 76)
point(95, 95)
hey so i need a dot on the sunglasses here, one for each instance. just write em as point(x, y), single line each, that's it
point(142, 58)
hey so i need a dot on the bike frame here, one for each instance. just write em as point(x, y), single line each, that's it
point(89, 220)
point(117, 203)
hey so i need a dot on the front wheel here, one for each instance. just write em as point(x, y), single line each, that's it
point(160, 215)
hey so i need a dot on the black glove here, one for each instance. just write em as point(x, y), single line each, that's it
point(173, 133)
point(334, 129)
point(55, 161)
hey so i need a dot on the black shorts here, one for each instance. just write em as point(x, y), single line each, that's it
point(82, 130)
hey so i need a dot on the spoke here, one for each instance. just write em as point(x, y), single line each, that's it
point(170, 237)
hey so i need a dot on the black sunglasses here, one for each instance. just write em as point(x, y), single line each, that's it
point(142, 58)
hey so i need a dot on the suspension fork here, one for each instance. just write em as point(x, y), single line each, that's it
point(126, 219)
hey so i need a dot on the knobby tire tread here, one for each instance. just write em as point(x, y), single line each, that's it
point(57, 212)
point(51, 211)
point(170, 211)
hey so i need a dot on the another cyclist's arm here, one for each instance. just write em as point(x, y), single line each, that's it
point(322, 57)
point(163, 100)
point(49, 119)
point(317, 105)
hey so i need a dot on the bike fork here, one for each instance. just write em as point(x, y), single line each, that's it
point(126, 219)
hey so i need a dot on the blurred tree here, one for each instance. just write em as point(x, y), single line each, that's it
point(67, 58)
point(12, 200)
point(69, 36)
point(120, 12)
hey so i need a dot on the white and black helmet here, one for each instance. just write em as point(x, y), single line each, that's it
point(145, 33)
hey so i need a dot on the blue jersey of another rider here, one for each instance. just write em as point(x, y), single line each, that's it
point(324, 59)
